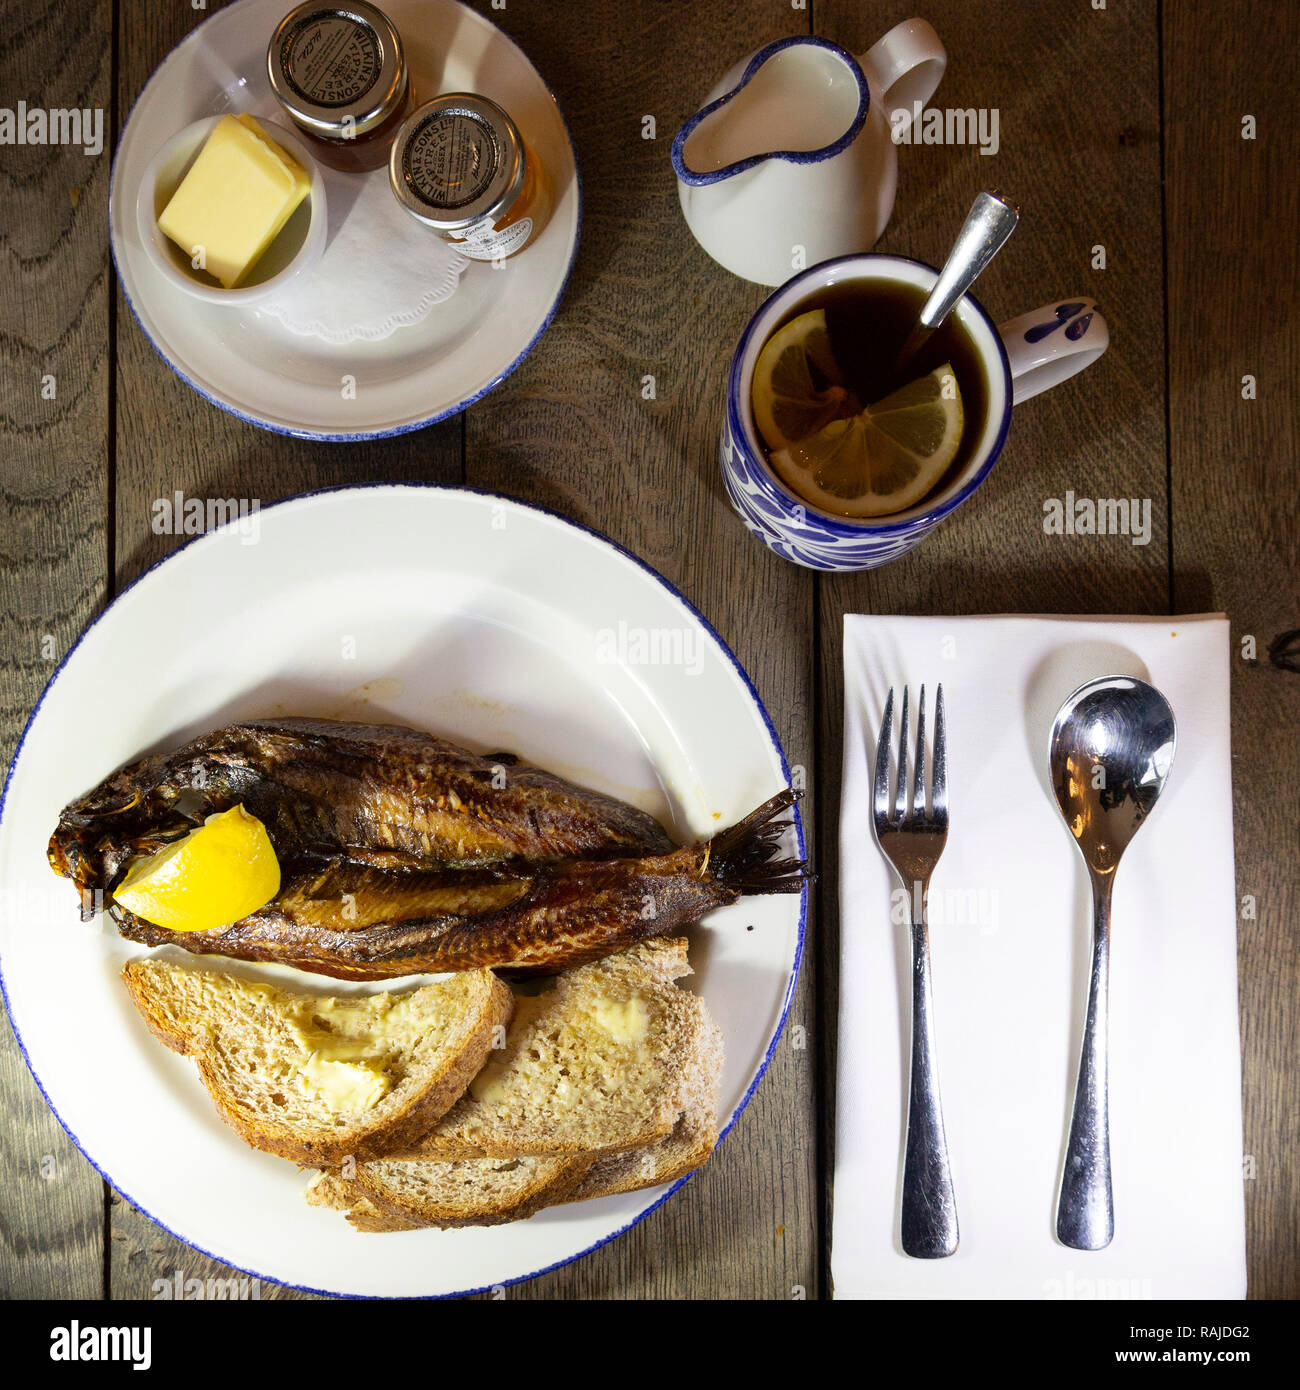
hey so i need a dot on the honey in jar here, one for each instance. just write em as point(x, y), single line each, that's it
point(340, 74)
point(460, 166)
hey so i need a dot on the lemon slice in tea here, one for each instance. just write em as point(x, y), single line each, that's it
point(215, 875)
point(884, 459)
point(798, 387)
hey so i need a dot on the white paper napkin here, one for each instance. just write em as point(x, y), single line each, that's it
point(1010, 934)
point(381, 270)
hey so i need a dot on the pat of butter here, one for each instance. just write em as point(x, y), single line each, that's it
point(235, 199)
point(626, 1020)
point(344, 1085)
point(491, 1085)
point(344, 1071)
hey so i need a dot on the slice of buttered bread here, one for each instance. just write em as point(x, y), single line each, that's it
point(693, 1138)
point(388, 1195)
point(488, 1191)
point(318, 1079)
point(596, 1063)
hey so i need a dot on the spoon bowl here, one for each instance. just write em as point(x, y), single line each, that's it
point(1111, 749)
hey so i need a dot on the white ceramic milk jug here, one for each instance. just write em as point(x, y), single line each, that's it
point(792, 160)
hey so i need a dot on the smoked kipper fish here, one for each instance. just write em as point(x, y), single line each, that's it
point(401, 853)
point(376, 793)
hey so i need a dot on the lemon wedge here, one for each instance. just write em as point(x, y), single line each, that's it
point(213, 876)
point(798, 387)
point(884, 459)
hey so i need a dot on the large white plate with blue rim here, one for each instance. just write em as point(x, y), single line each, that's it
point(496, 624)
point(245, 360)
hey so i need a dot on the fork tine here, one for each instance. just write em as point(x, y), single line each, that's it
point(939, 783)
point(882, 760)
point(902, 761)
point(918, 784)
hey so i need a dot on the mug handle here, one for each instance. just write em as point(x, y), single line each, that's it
point(908, 64)
point(1048, 345)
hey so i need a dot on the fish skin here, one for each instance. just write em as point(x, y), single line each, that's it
point(534, 815)
point(348, 896)
point(532, 877)
point(569, 914)
point(380, 793)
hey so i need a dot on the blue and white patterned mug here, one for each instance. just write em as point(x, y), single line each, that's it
point(1020, 359)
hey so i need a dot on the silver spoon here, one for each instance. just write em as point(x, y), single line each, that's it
point(989, 223)
point(1111, 750)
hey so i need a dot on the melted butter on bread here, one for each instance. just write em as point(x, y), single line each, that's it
point(346, 1086)
point(346, 1044)
point(625, 1020)
point(492, 1084)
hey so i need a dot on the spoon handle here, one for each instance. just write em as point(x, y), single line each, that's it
point(929, 1215)
point(1085, 1217)
point(989, 223)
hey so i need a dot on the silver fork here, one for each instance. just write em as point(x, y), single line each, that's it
point(912, 841)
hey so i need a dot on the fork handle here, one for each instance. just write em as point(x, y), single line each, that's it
point(929, 1216)
point(1085, 1216)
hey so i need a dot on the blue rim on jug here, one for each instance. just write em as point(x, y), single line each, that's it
point(699, 179)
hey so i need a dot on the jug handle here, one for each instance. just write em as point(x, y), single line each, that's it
point(907, 64)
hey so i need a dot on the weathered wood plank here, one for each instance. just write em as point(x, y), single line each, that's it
point(1233, 212)
point(54, 469)
point(1076, 93)
point(571, 429)
point(170, 439)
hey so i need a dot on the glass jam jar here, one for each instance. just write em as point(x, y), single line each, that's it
point(340, 74)
point(460, 166)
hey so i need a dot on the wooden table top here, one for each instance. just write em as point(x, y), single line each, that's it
point(1121, 127)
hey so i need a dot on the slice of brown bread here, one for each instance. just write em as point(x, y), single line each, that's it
point(594, 1064)
point(388, 1195)
point(327, 1189)
point(319, 1078)
point(692, 1140)
point(683, 1151)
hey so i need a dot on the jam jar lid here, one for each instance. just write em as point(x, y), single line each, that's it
point(337, 69)
point(457, 160)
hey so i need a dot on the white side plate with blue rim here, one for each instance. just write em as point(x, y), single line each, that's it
point(496, 624)
point(247, 362)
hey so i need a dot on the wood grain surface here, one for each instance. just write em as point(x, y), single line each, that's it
point(1083, 161)
point(1233, 263)
point(1109, 138)
point(571, 429)
point(54, 475)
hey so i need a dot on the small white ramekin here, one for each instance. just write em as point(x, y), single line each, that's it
point(298, 246)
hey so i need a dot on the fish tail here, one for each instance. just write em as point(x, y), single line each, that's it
point(741, 857)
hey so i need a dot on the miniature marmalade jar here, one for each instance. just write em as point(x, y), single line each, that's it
point(340, 74)
point(460, 166)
